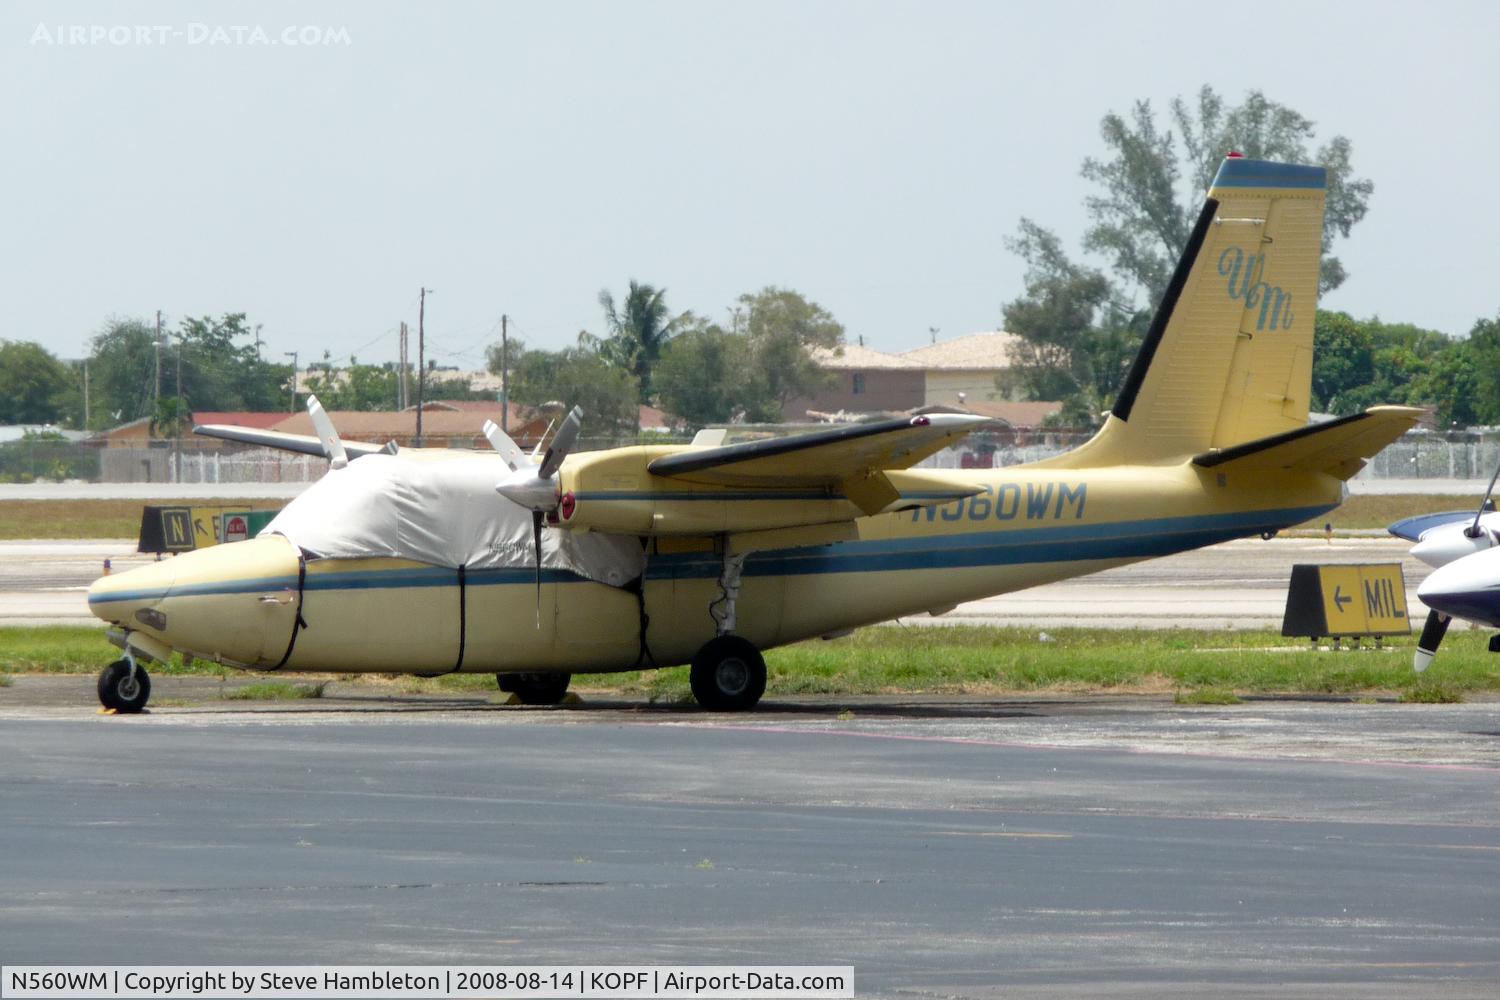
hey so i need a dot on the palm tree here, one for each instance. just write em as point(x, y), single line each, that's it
point(638, 333)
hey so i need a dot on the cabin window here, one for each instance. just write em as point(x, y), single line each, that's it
point(859, 383)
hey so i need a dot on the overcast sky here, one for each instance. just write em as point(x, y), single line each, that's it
point(518, 158)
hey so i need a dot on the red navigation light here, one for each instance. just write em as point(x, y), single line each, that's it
point(1234, 154)
point(920, 421)
point(569, 504)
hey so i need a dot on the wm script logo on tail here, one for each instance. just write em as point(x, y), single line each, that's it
point(1243, 273)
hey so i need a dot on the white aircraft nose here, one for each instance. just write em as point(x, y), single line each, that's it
point(1467, 588)
point(1442, 545)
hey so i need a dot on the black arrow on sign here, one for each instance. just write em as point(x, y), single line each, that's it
point(1339, 599)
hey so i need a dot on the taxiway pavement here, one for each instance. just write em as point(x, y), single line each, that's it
point(1052, 847)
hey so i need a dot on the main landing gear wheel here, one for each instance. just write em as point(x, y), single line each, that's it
point(535, 689)
point(728, 675)
point(123, 690)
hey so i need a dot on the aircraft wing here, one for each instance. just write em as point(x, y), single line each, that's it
point(820, 458)
point(761, 488)
point(302, 444)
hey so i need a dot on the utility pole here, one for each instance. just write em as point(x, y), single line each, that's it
point(421, 359)
point(177, 417)
point(403, 395)
point(156, 394)
point(257, 342)
point(504, 374)
point(85, 393)
point(292, 406)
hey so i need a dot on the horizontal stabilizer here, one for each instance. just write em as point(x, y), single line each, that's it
point(1338, 448)
point(302, 444)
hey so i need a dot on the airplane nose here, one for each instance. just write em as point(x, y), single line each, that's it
point(1467, 588)
point(234, 603)
point(1442, 545)
point(132, 599)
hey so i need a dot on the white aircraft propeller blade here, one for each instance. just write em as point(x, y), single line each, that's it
point(567, 436)
point(509, 451)
point(332, 446)
point(536, 453)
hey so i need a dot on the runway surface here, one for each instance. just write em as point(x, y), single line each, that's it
point(967, 849)
point(1238, 584)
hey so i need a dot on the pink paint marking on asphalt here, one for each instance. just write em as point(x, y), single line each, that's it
point(1020, 745)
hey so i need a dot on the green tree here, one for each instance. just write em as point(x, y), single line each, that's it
point(1343, 361)
point(1078, 327)
point(220, 367)
point(1451, 384)
point(357, 387)
point(122, 372)
point(783, 328)
point(1075, 338)
point(637, 332)
point(575, 376)
point(1482, 351)
point(1144, 212)
point(173, 418)
point(1363, 363)
point(216, 357)
point(706, 375)
point(33, 384)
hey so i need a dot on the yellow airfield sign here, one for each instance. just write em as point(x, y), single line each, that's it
point(1347, 600)
point(183, 529)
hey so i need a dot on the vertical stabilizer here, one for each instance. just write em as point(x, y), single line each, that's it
point(1228, 357)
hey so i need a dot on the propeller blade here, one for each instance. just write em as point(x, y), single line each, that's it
point(536, 536)
point(332, 446)
point(1432, 637)
point(509, 451)
point(536, 453)
point(567, 436)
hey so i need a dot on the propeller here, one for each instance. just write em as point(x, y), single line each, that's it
point(530, 485)
point(332, 446)
point(508, 450)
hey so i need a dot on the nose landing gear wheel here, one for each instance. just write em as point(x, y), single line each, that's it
point(728, 675)
point(121, 691)
point(535, 689)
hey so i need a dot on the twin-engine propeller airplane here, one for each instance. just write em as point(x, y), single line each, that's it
point(1463, 548)
point(408, 561)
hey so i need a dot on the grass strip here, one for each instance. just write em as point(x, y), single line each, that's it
point(274, 691)
point(955, 660)
point(1372, 510)
point(21, 519)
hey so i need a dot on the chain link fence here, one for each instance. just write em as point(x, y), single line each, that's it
point(1460, 455)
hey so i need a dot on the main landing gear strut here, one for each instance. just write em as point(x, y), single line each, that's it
point(728, 673)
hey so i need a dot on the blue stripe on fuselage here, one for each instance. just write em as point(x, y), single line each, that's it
point(1065, 543)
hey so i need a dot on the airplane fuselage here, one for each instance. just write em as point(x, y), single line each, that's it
point(242, 603)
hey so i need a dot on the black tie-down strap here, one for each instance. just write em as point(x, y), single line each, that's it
point(638, 587)
point(301, 623)
point(463, 617)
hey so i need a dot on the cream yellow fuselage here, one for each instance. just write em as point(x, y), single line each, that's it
point(242, 603)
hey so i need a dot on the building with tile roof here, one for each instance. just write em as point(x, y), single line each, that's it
point(950, 372)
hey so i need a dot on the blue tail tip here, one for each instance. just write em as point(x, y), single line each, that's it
point(1237, 171)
